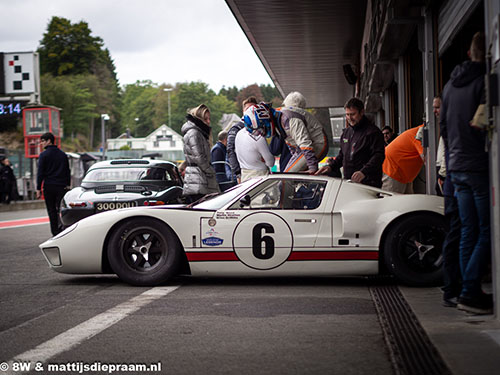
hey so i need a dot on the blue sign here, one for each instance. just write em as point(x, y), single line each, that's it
point(212, 241)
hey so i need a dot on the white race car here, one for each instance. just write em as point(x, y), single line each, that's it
point(280, 225)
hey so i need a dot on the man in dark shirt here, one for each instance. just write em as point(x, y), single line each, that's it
point(218, 160)
point(362, 149)
point(468, 168)
point(54, 175)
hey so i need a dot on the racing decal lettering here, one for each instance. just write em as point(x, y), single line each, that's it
point(258, 239)
point(212, 241)
point(227, 215)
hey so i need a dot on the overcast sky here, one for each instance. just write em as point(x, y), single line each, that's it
point(165, 41)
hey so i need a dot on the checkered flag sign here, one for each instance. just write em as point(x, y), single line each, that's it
point(19, 73)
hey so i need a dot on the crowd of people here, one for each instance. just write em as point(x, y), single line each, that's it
point(367, 155)
point(371, 156)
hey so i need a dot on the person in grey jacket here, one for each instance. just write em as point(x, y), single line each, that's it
point(305, 136)
point(199, 178)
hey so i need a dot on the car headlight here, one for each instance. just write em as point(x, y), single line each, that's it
point(66, 231)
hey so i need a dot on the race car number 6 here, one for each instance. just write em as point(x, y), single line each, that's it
point(262, 240)
point(258, 240)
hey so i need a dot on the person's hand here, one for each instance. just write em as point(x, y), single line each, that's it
point(358, 176)
point(440, 182)
point(38, 194)
point(323, 170)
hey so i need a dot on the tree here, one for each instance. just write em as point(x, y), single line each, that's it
point(219, 105)
point(69, 48)
point(252, 90)
point(138, 108)
point(271, 95)
point(231, 92)
point(75, 99)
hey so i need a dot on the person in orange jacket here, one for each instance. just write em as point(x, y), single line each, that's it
point(404, 157)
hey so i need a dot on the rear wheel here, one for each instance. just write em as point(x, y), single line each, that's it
point(413, 249)
point(143, 251)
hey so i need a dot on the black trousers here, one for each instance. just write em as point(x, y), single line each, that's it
point(53, 195)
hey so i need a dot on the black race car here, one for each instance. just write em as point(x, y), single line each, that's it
point(113, 184)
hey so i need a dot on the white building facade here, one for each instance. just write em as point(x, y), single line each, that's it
point(163, 140)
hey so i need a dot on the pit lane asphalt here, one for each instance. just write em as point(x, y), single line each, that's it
point(223, 325)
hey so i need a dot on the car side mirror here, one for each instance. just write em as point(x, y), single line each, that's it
point(245, 201)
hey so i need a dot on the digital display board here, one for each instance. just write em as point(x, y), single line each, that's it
point(11, 108)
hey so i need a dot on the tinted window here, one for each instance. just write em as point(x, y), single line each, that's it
point(123, 174)
point(287, 194)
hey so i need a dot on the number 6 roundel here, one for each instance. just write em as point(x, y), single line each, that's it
point(262, 240)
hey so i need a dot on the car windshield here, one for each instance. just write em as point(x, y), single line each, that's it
point(127, 174)
point(219, 201)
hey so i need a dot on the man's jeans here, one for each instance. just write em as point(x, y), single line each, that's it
point(472, 193)
point(452, 276)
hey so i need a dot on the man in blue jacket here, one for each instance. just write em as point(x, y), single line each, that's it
point(218, 160)
point(54, 175)
point(468, 168)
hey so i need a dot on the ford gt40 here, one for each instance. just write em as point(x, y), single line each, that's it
point(279, 225)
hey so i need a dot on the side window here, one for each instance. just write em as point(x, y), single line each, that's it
point(285, 194)
point(307, 195)
point(270, 197)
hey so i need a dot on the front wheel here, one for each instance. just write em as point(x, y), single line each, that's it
point(143, 252)
point(413, 249)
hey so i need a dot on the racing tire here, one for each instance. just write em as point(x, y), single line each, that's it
point(413, 250)
point(143, 252)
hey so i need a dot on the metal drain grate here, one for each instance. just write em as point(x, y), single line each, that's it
point(412, 353)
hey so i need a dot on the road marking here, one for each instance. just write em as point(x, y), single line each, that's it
point(23, 222)
point(90, 328)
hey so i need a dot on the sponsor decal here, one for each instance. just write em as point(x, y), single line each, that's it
point(212, 241)
point(212, 232)
point(212, 222)
point(228, 215)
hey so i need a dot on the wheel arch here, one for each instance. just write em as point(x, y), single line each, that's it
point(388, 229)
point(106, 267)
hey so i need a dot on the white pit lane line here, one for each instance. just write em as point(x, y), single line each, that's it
point(88, 329)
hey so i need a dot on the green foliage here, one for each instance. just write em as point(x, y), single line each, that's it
point(68, 48)
point(79, 76)
point(219, 105)
point(125, 148)
point(231, 92)
point(138, 109)
point(73, 96)
point(270, 93)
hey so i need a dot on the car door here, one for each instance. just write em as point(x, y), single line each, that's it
point(274, 219)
